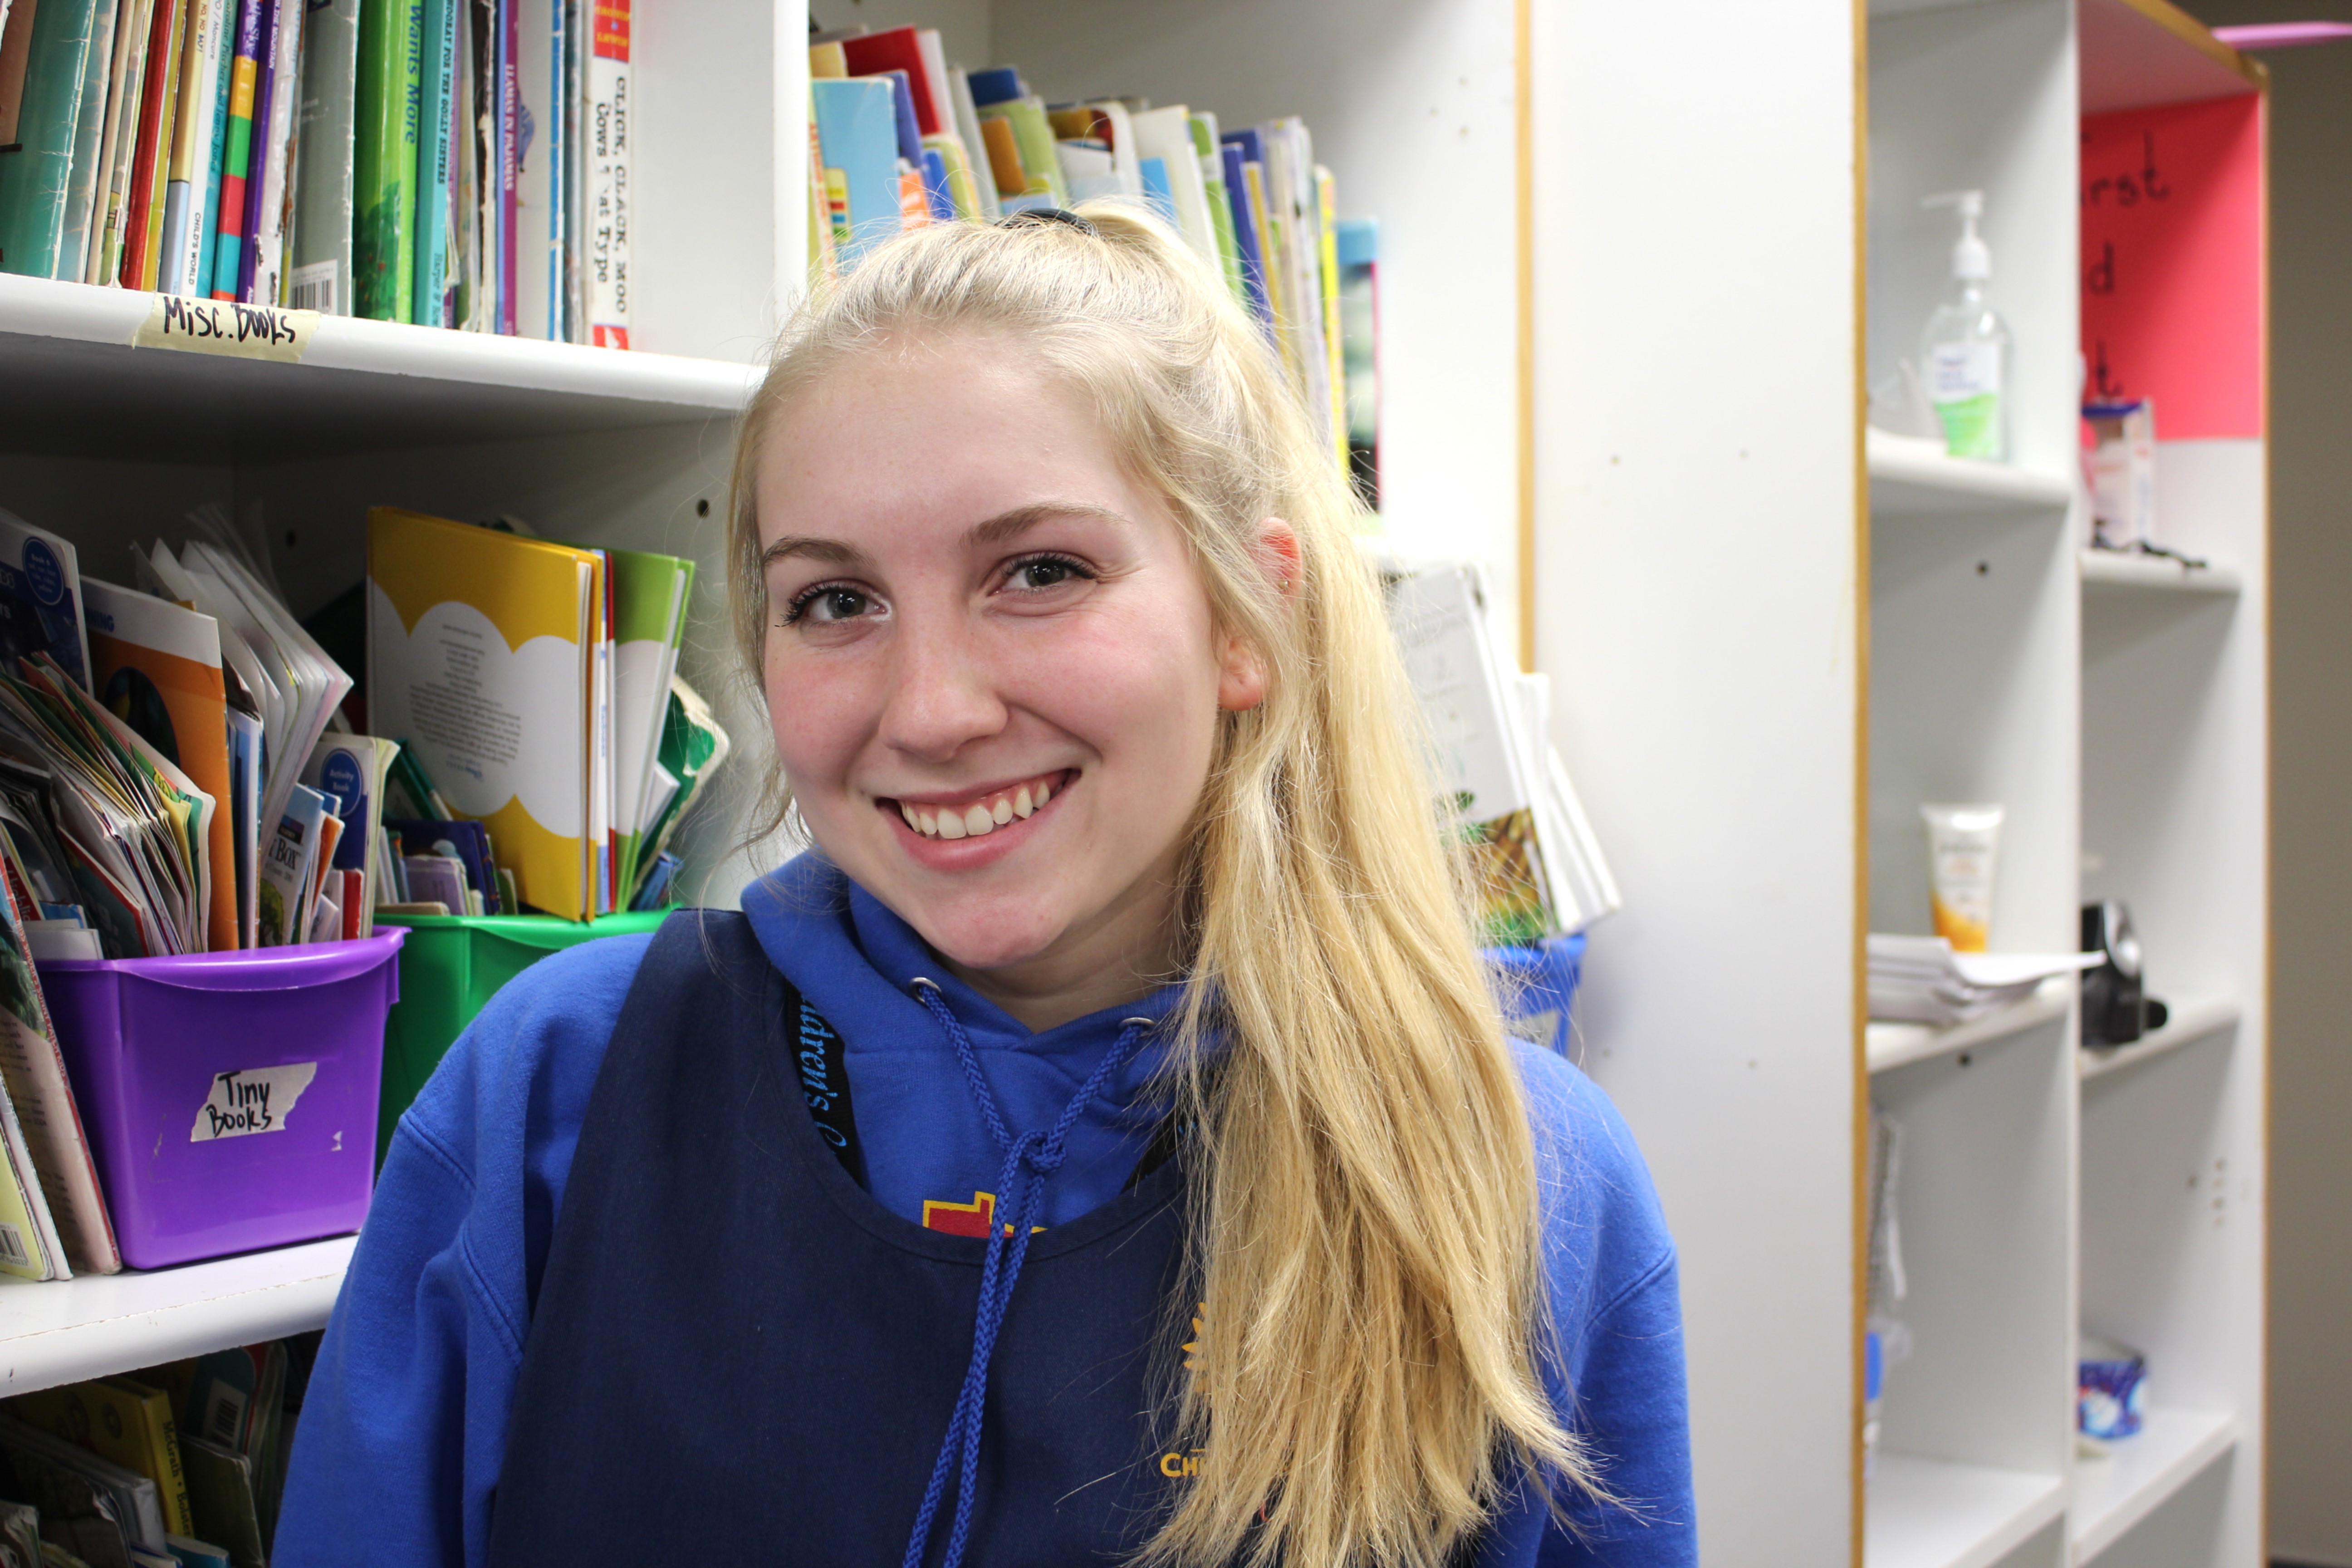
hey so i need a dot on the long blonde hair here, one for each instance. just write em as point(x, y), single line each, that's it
point(1366, 1235)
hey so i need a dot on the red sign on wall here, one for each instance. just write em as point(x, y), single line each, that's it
point(2172, 264)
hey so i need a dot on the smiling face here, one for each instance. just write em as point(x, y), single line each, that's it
point(992, 666)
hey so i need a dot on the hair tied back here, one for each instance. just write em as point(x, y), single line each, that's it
point(1035, 217)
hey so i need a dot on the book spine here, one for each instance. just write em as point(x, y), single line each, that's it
point(611, 185)
point(1335, 367)
point(34, 178)
point(283, 148)
point(216, 150)
point(509, 170)
point(191, 146)
point(258, 146)
point(154, 105)
point(554, 156)
point(155, 156)
point(377, 177)
point(236, 153)
point(433, 161)
point(320, 278)
point(89, 129)
point(99, 261)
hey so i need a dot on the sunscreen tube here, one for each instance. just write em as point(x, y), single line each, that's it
point(1960, 844)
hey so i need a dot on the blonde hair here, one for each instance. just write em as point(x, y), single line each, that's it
point(1366, 1236)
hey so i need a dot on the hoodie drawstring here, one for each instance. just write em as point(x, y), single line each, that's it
point(1029, 1161)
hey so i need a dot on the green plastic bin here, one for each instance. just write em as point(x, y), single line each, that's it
point(450, 966)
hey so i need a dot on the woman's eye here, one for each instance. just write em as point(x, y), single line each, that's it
point(1045, 571)
point(829, 604)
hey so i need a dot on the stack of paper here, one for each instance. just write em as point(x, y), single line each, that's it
point(1537, 860)
point(1920, 980)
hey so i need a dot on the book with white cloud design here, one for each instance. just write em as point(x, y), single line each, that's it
point(482, 655)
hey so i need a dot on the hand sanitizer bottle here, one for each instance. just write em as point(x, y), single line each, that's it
point(1966, 346)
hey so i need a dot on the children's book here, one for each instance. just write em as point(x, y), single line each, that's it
point(320, 276)
point(351, 769)
point(857, 133)
point(101, 258)
point(899, 50)
point(260, 279)
point(384, 191)
point(289, 862)
point(611, 199)
point(157, 668)
point(215, 150)
point(1033, 133)
point(15, 47)
point(122, 1422)
point(240, 146)
point(80, 1495)
point(90, 132)
point(482, 651)
point(222, 1495)
point(46, 1127)
point(1166, 134)
point(539, 182)
point(184, 195)
point(977, 151)
point(35, 178)
point(142, 260)
point(40, 599)
point(436, 81)
point(650, 595)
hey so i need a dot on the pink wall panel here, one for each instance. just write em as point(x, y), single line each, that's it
point(2172, 263)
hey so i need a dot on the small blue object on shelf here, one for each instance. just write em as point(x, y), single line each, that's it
point(2111, 1395)
point(1540, 986)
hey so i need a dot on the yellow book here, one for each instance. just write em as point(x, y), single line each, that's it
point(1326, 202)
point(827, 62)
point(483, 651)
point(123, 1422)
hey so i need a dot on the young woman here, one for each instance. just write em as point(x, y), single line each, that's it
point(1103, 1145)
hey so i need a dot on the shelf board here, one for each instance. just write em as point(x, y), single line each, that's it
point(2139, 1473)
point(2192, 1019)
point(75, 387)
point(1887, 1045)
point(2114, 572)
point(1912, 477)
point(95, 1325)
point(2136, 53)
point(1932, 1513)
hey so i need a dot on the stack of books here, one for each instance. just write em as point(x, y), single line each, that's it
point(449, 162)
point(1920, 980)
point(1539, 869)
point(178, 1466)
point(902, 138)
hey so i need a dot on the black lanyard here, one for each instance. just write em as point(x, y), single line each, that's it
point(821, 1058)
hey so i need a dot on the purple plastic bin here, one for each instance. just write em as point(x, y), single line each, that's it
point(230, 1097)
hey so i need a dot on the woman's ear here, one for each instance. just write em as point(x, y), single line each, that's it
point(1241, 684)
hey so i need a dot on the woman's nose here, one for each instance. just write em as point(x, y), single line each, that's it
point(942, 695)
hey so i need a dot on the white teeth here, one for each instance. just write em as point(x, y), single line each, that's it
point(981, 817)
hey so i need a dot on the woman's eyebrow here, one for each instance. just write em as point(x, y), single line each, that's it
point(1004, 527)
point(1007, 526)
point(829, 550)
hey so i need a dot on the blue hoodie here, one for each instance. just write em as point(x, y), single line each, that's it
point(403, 1428)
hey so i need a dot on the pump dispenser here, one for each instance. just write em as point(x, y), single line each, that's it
point(1966, 345)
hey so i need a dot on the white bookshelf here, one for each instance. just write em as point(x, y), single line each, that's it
point(1888, 1046)
point(1771, 637)
point(65, 1331)
point(2139, 1474)
point(2108, 573)
point(1934, 1513)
